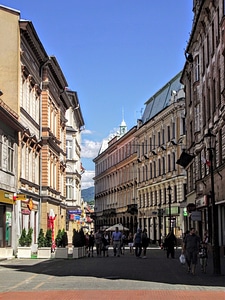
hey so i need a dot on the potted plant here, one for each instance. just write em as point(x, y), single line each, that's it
point(78, 243)
point(61, 242)
point(44, 244)
point(25, 241)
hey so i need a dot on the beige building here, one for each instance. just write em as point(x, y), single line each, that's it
point(161, 140)
point(135, 169)
point(203, 77)
point(116, 181)
point(74, 169)
point(35, 92)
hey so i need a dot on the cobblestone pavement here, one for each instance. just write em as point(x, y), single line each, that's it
point(124, 277)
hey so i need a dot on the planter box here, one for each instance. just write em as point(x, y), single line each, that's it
point(6, 252)
point(44, 252)
point(61, 253)
point(24, 252)
point(78, 252)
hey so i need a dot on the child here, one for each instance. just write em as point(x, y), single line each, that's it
point(203, 256)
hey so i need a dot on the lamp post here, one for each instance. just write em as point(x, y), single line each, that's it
point(160, 223)
point(169, 190)
point(210, 142)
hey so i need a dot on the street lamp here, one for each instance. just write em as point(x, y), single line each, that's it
point(210, 143)
point(169, 190)
point(160, 223)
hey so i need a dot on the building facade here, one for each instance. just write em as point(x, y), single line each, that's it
point(161, 140)
point(203, 77)
point(116, 181)
point(135, 172)
point(74, 169)
point(36, 96)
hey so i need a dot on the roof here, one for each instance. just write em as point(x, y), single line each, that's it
point(161, 99)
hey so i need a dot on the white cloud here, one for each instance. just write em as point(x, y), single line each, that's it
point(90, 149)
point(87, 179)
point(86, 131)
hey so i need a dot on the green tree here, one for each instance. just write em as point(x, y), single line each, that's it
point(41, 239)
point(48, 238)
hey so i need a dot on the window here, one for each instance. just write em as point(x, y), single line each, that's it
point(159, 139)
point(168, 133)
point(154, 164)
point(69, 149)
point(197, 117)
point(196, 68)
point(6, 153)
point(174, 161)
point(169, 163)
point(69, 188)
point(174, 131)
point(163, 166)
point(213, 38)
point(163, 136)
point(159, 167)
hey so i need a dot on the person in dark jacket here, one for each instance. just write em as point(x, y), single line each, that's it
point(191, 249)
point(137, 243)
point(91, 243)
point(170, 243)
point(145, 242)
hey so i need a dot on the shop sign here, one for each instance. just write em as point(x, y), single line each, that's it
point(202, 202)
point(75, 212)
point(6, 197)
point(25, 211)
point(21, 197)
point(196, 216)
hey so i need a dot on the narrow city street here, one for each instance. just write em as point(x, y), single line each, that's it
point(124, 277)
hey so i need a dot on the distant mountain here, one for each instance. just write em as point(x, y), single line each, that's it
point(88, 194)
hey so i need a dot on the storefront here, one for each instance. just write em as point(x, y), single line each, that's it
point(6, 217)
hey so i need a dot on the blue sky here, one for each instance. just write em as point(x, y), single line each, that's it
point(115, 53)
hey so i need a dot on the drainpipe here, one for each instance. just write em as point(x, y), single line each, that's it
point(40, 133)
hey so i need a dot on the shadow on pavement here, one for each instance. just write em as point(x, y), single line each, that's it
point(156, 268)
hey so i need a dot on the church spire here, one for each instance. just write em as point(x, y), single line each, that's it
point(123, 125)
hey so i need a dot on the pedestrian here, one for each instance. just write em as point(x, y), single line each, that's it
point(87, 244)
point(130, 240)
point(98, 242)
point(137, 243)
point(91, 243)
point(191, 250)
point(123, 242)
point(105, 243)
point(170, 243)
point(116, 240)
point(203, 256)
point(145, 242)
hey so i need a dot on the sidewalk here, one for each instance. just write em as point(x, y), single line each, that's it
point(124, 277)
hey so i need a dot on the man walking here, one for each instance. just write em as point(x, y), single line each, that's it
point(116, 239)
point(137, 243)
point(191, 249)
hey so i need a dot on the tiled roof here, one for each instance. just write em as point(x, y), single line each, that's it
point(161, 99)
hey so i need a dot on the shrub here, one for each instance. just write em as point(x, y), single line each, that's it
point(61, 238)
point(41, 239)
point(48, 238)
point(22, 239)
point(45, 240)
point(26, 238)
point(29, 237)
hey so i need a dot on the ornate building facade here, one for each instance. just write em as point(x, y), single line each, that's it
point(116, 181)
point(36, 95)
point(203, 77)
point(134, 172)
